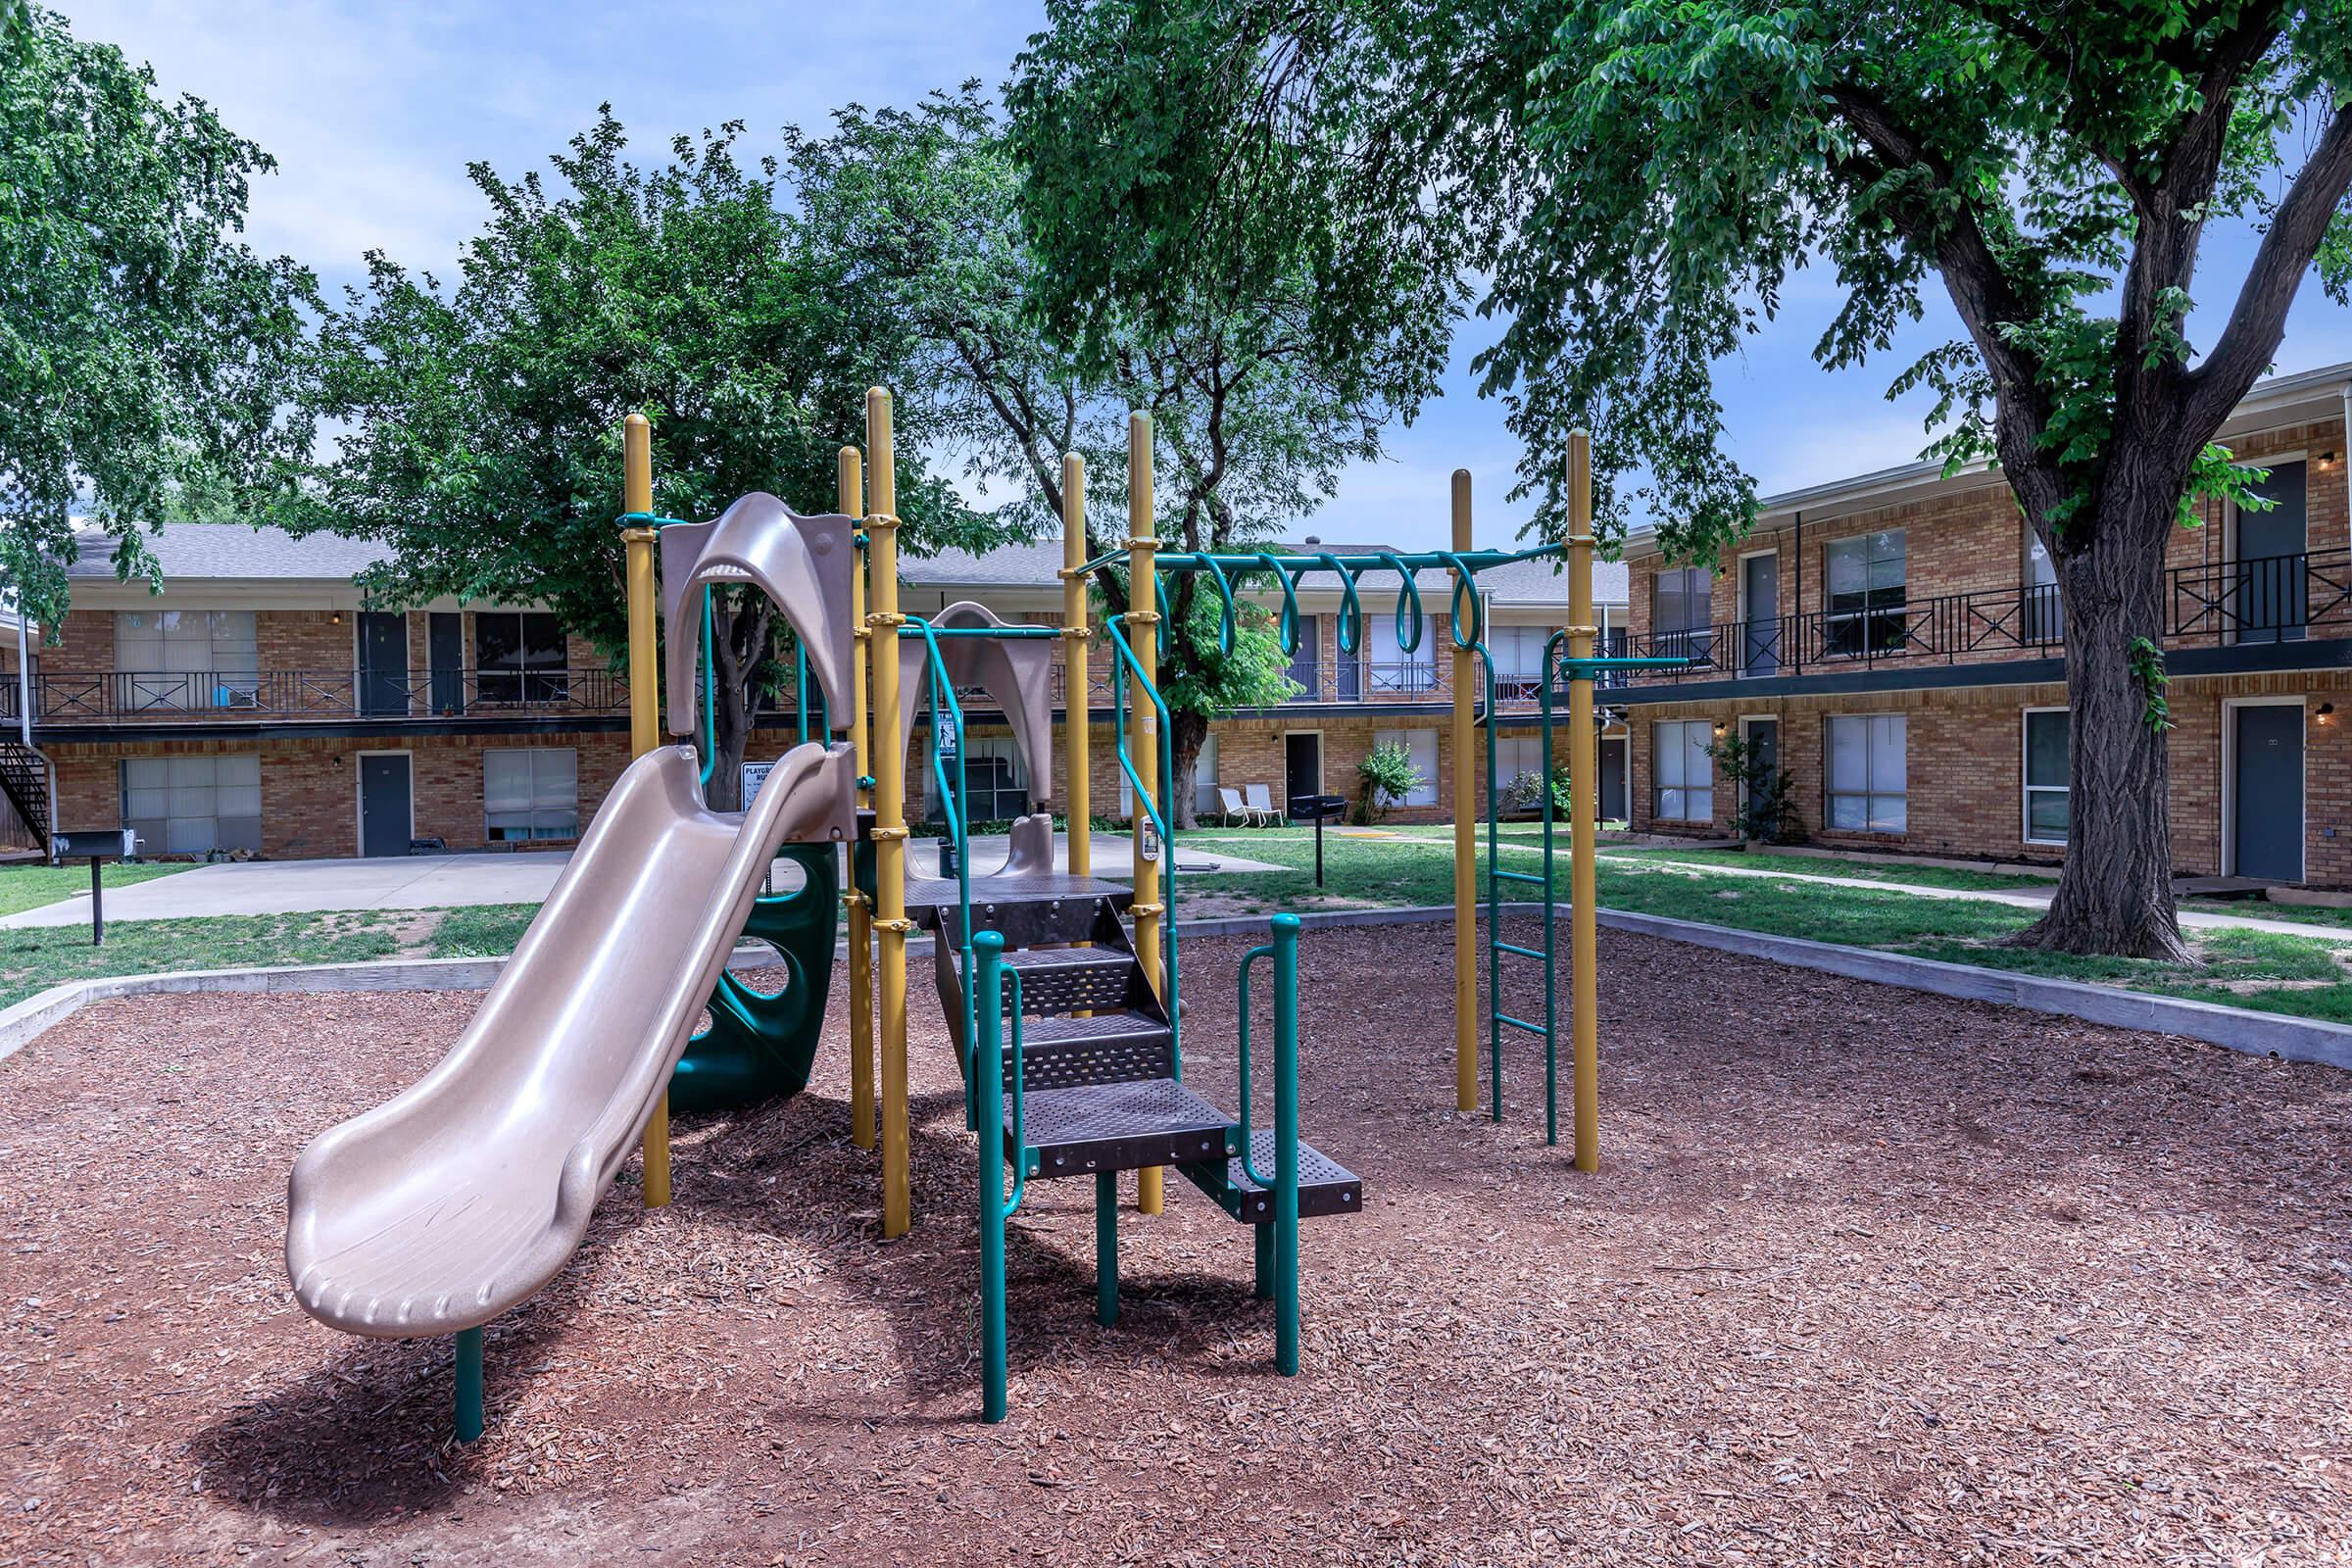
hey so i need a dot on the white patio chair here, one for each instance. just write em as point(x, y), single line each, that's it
point(1230, 806)
point(1260, 802)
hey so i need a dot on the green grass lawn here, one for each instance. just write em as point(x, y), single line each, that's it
point(29, 886)
point(2306, 976)
point(480, 931)
point(33, 959)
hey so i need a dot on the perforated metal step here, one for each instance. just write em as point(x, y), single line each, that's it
point(1069, 979)
point(1110, 1048)
point(1118, 1126)
point(1325, 1186)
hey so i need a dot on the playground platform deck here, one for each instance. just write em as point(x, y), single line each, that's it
point(1868, 1277)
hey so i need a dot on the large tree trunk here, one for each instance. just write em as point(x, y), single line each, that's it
point(740, 636)
point(1188, 731)
point(2115, 894)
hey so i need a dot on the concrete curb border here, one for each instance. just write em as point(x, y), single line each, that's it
point(2239, 1029)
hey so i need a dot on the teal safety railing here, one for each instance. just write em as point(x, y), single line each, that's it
point(709, 715)
point(1283, 951)
point(942, 693)
point(997, 1205)
point(1153, 801)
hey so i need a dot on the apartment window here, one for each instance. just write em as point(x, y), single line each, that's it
point(1518, 655)
point(996, 782)
point(1517, 756)
point(1680, 599)
point(1204, 783)
point(2046, 736)
point(1866, 773)
point(193, 805)
point(531, 793)
point(186, 657)
point(519, 655)
point(1421, 745)
point(1866, 593)
point(1685, 782)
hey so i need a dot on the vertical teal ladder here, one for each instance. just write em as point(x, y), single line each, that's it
point(1496, 875)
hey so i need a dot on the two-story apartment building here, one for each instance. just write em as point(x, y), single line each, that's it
point(257, 704)
point(1896, 643)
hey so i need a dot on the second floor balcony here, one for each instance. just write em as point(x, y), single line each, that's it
point(2261, 602)
point(99, 697)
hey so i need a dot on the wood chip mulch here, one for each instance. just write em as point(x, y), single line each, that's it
point(1868, 1277)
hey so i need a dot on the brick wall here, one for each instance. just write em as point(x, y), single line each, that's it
point(1965, 768)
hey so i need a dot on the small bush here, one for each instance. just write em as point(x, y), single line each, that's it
point(1384, 777)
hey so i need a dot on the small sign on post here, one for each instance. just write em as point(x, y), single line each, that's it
point(1146, 838)
point(755, 775)
point(97, 845)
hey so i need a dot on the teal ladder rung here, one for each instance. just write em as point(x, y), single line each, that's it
point(1521, 1023)
point(1502, 946)
point(1516, 876)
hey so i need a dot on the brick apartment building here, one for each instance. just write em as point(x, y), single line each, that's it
point(1895, 641)
point(257, 704)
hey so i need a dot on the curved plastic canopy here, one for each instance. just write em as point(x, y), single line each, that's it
point(804, 565)
point(1014, 672)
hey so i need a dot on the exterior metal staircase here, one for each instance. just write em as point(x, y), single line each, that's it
point(24, 782)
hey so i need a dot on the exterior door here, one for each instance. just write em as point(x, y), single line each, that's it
point(2266, 788)
point(1760, 594)
point(1302, 766)
point(1612, 781)
point(2271, 586)
point(444, 648)
point(385, 821)
point(383, 664)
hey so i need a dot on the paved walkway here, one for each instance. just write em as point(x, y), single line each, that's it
point(451, 881)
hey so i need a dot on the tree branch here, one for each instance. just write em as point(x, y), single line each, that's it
point(2259, 320)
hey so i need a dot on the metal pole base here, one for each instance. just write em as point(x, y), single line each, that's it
point(1107, 1247)
point(469, 1384)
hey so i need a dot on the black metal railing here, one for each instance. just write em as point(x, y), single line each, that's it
point(65, 697)
point(2269, 599)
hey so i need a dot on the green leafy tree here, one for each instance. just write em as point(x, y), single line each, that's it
point(481, 435)
point(1384, 777)
point(926, 206)
point(140, 342)
point(1639, 179)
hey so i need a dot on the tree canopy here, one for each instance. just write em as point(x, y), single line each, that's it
point(481, 424)
point(140, 342)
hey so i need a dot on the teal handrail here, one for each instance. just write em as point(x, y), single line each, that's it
point(1284, 950)
point(1154, 803)
point(952, 798)
point(988, 1074)
point(710, 727)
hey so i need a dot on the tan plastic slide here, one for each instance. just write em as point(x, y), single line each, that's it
point(462, 1195)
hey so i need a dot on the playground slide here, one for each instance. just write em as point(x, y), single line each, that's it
point(462, 1195)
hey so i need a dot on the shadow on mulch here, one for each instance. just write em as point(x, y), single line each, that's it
point(367, 1437)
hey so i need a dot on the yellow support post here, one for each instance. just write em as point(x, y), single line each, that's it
point(1076, 713)
point(1466, 837)
point(1583, 776)
point(1143, 622)
point(644, 701)
point(849, 488)
point(890, 805)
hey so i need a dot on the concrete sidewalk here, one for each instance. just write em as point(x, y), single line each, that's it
point(453, 881)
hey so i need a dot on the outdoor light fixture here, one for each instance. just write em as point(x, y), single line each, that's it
point(335, 617)
point(1722, 729)
point(2326, 715)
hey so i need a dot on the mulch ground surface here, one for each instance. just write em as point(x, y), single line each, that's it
point(1867, 1277)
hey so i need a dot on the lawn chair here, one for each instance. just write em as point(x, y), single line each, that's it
point(1229, 806)
point(1259, 799)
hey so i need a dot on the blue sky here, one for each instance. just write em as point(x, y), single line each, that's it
point(373, 111)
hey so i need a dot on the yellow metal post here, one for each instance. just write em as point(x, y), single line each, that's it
point(1076, 711)
point(1465, 836)
point(890, 805)
point(850, 487)
point(644, 701)
point(1583, 776)
point(1143, 622)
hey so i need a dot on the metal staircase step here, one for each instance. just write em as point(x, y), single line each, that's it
point(1121, 1045)
point(1325, 1186)
point(1056, 980)
point(1116, 1126)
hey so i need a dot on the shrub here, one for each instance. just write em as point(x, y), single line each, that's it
point(1384, 777)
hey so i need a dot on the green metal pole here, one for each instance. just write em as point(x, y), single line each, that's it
point(988, 947)
point(469, 1384)
point(1106, 1246)
point(1286, 1139)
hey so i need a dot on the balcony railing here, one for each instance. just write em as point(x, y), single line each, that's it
point(2235, 603)
point(119, 696)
